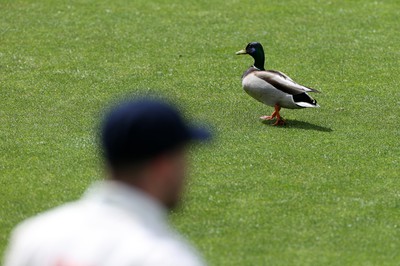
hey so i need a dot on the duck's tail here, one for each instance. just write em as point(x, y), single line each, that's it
point(304, 100)
point(311, 89)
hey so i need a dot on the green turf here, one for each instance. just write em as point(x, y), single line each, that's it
point(323, 190)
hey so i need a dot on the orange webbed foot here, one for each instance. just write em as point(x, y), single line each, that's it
point(267, 117)
point(279, 122)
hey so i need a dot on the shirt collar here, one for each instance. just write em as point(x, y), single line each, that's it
point(136, 202)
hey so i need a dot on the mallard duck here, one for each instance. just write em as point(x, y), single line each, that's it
point(272, 87)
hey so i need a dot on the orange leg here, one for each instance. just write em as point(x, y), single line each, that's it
point(279, 119)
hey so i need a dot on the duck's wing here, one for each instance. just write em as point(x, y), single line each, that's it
point(249, 70)
point(282, 82)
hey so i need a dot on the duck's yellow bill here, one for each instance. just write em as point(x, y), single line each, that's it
point(241, 52)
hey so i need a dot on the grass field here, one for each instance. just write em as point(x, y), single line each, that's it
point(323, 190)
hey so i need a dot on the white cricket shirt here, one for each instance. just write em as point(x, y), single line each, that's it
point(112, 225)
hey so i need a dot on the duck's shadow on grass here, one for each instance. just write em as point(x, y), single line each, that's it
point(299, 125)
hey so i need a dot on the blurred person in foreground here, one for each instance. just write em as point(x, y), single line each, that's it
point(121, 221)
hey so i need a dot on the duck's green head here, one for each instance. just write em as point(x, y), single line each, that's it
point(255, 50)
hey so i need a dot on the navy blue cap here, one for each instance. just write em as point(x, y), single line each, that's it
point(138, 130)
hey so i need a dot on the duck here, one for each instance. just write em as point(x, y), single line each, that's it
point(272, 87)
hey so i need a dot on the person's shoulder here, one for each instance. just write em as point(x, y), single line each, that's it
point(34, 231)
point(153, 249)
point(176, 253)
point(45, 221)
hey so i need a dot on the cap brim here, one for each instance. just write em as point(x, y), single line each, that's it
point(200, 134)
